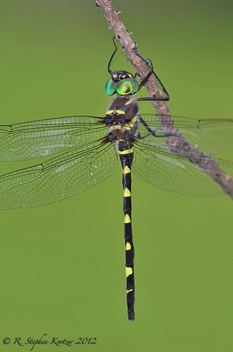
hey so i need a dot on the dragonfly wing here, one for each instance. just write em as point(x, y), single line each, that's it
point(58, 178)
point(210, 135)
point(160, 167)
point(30, 140)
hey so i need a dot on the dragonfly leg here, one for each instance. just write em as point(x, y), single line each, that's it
point(151, 132)
point(145, 79)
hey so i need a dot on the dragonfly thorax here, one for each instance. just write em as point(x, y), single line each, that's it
point(122, 120)
point(123, 106)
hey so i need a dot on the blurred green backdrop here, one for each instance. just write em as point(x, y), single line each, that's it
point(62, 266)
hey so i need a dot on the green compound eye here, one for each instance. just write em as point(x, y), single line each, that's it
point(127, 86)
point(110, 87)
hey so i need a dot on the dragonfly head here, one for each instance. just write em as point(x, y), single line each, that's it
point(121, 83)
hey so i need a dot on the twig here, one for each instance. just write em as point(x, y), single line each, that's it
point(179, 145)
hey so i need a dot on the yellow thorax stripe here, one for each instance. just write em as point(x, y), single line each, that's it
point(132, 122)
point(128, 102)
point(109, 112)
point(129, 125)
point(120, 112)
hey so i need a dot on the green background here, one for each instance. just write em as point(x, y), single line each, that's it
point(62, 266)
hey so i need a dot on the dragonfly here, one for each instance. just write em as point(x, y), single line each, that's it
point(87, 150)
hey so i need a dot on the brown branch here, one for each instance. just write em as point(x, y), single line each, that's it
point(178, 145)
point(128, 45)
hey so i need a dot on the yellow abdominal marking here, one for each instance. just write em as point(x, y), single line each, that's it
point(128, 151)
point(109, 112)
point(129, 271)
point(114, 127)
point(126, 170)
point(127, 219)
point(127, 291)
point(128, 246)
point(127, 192)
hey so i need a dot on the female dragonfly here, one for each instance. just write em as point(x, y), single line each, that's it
point(88, 148)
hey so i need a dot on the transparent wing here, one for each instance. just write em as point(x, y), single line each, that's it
point(29, 140)
point(210, 135)
point(157, 165)
point(58, 178)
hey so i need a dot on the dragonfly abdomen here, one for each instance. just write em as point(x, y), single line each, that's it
point(126, 157)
